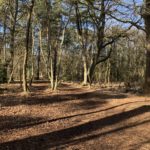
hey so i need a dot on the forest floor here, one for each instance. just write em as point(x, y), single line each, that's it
point(73, 118)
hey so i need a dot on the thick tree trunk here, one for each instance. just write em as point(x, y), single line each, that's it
point(147, 27)
point(99, 44)
point(91, 73)
point(147, 73)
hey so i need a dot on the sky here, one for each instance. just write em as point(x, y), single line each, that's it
point(138, 2)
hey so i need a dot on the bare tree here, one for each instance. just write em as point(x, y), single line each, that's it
point(12, 34)
point(29, 17)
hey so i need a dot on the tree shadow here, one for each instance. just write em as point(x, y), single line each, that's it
point(66, 136)
point(141, 144)
point(89, 104)
point(95, 136)
point(16, 122)
point(38, 88)
point(60, 98)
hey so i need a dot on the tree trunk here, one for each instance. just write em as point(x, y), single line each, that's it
point(85, 77)
point(147, 27)
point(48, 7)
point(4, 40)
point(55, 70)
point(12, 38)
point(83, 43)
point(147, 74)
point(38, 63)
point(32, 71)
point(91, 73)
point(38, 56)
point(25, 88)
point(52, 75)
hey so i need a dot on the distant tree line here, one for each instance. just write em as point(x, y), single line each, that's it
point(87, 41)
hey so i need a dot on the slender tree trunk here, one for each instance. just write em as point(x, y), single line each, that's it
point(12, 38)
point(14, 67)
point(32, 71)
point(52, 75)
point(4, 41)
point(25, 88)
point(38, 59)
point(107, 73)
point(20, 74)
point(48, 61)
point(48, 48)
point(85, 77)
point(12, 52)
point(38, 63)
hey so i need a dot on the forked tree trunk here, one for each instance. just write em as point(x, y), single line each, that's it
point(25, 87)
point(82, 43)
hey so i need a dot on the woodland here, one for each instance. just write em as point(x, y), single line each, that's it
point(74, 74)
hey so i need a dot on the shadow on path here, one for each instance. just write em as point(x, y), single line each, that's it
point(66, 136)
point(99, 96)
point(17, 122)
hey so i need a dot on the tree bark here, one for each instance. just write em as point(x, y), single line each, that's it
point(4, 40)
point(48, 7)
point(85, 67)
point(12, 37)
point(147, 28)
point(25, 87)
point(55, 69)
point(39, 55)
point(32, 57)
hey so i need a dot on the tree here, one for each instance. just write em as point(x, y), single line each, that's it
point(29, 17)
point(89, 41)
point(98, 12)
point(13, 21)
point(146, 15)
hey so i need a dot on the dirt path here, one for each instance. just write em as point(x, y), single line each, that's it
point(74, 118)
